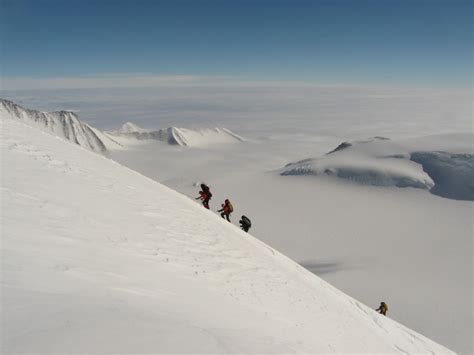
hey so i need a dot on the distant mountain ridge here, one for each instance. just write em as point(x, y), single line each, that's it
point(186, 137)
point(130, 127)
point(65, 124)
point(381, 162)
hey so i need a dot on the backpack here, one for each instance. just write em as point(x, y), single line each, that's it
point(246, 221)
point(205, 189)
point(230, 207)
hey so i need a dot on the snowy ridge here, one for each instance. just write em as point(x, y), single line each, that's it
point(130, 127)
point(382, 162)
point(374, 162)
point(180, 136)
point(125, 264)
point(65, 124)
point(110, 142)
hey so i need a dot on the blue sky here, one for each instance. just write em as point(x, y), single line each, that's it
point(363, 42)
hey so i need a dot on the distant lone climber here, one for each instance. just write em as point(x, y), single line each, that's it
point(204, 195)
point(383, 308)
point(226, 209)
point(245, 223)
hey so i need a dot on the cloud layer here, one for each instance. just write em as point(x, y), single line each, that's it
point(252, 108)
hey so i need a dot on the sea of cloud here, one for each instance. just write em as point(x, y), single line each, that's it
point(256, 109)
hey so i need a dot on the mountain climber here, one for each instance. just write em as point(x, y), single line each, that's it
point(383, 308)
point(226, 209)
point(205, 195)
point(245, 223)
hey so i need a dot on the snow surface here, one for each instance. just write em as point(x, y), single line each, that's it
point(97, 258)
point(406, 246)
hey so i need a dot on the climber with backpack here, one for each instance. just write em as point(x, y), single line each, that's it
point(245, 223)
point(204, 195)
point(226, 209)
point(383, 308)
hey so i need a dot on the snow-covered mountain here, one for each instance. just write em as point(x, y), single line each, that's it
point(179, 136)
point(98, 258)
point(382, 162)
point(65, 124)
point(130, 127)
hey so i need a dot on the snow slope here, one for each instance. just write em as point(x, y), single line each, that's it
point(371, 242)
point(382, 162)
point(97, 258)
point(179, 136)
point(65, 124)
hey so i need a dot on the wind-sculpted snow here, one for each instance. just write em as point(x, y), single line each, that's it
point(345, 145)
point(381, 162)
point(362, 162)
point(179, 136)
point(96, 258)
point(65, 124)
point(453, 174)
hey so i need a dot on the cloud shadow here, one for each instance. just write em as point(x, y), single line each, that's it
point(323, 268)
